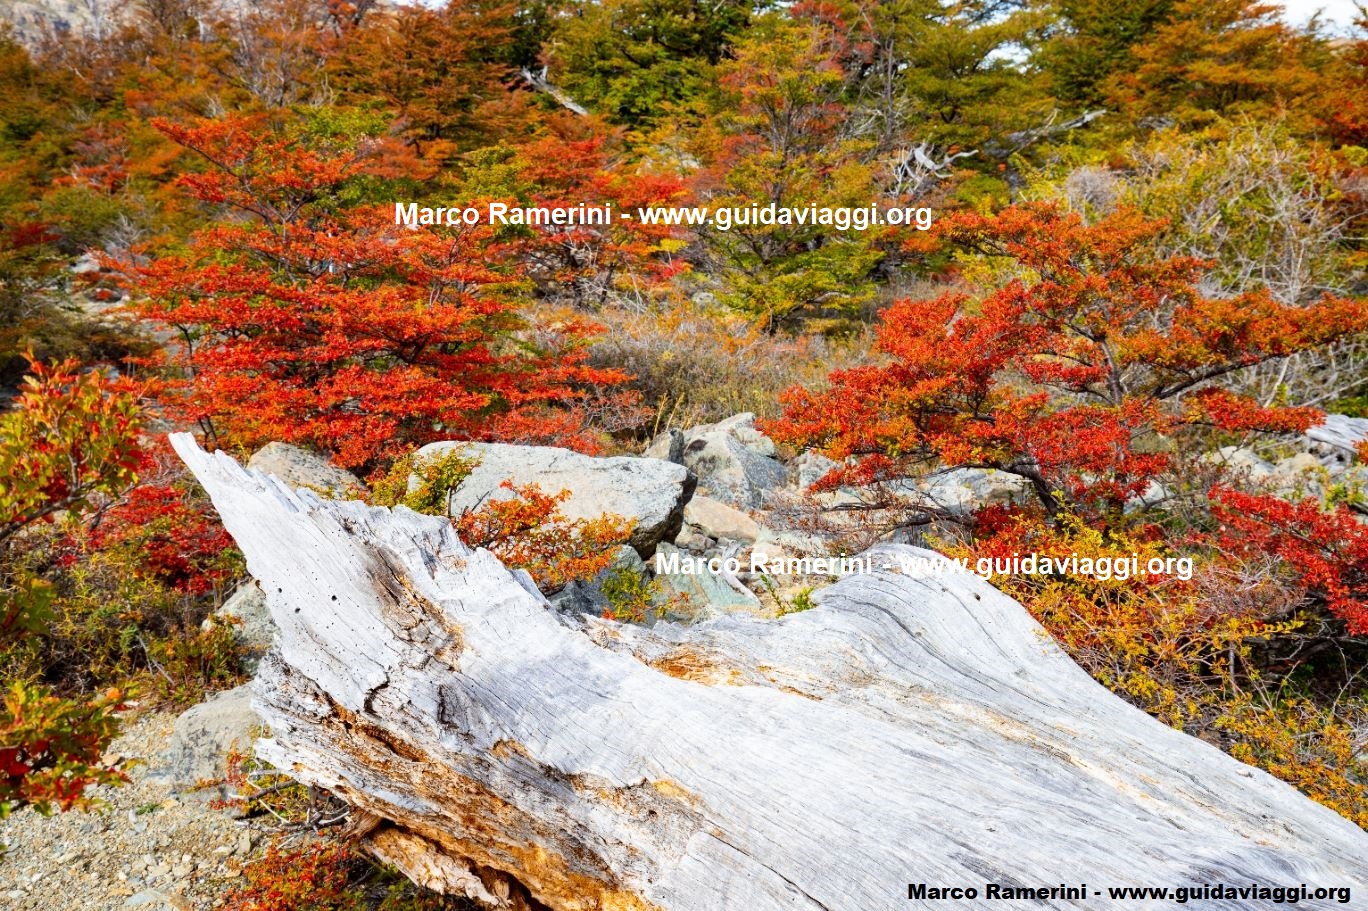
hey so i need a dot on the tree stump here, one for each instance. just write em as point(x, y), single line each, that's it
point(905, 731)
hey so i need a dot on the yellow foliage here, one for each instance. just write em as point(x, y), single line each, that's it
point(1182, 650)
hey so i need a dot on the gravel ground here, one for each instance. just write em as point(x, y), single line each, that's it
point(143, 849)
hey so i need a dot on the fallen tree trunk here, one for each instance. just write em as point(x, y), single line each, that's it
point(905, 731)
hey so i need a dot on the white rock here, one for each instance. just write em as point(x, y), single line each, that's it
point(705, 594)
point(155, 900)
point(731, 471)
point(741, 427)
point(205, 734)
point(966, 490)
point(649, 492)
point(300, 468)
point(718, 520)
point(251, 621)
point(734, 462)
point(1241, 462)
point(1298, 477)
point(810, 467)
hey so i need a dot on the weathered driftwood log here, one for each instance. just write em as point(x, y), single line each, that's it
point(907, 730)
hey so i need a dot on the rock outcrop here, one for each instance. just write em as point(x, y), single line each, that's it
point(246, 611)
point(649, 492)
point(905, 730)
point(733, 461)
point(205, 735)
point(718, 520)
point(300, 468)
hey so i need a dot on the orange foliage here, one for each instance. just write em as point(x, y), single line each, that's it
point(1221, 58)
point(312, 878)
point(1073, 376)
point(334, 327)
point(1326, 553)
point(528, 531)
point(525, 530)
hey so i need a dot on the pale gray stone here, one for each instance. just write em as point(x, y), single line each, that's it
point(742, 428)
point(205, 734)
point(734, 462)
point(810, 467)
point(300, 468)
point(708, 594)
point(718, 520)
point(962, 491)
point(251, 621)
point(1298, 477)
point(1243, 463)
point(667, 446)
point(156, 900)
point(731, 471)
point(650, 492)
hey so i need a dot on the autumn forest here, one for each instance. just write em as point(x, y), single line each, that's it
point(1144, 289)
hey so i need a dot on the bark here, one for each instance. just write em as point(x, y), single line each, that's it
point(906, 730)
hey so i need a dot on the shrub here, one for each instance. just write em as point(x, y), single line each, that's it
point(327, 876)
point(1317, 749)
point(525, 531)
point(1163, 642)
point(631, 597)
point(311, 317)
point(1083, 374)
point(130, 587)
point(71, 438)
point(312, 878)
point(50, 748)
point(693, 364)
point(166, 529)
point(1325, 553)
point(100, 578)
point(185, 666)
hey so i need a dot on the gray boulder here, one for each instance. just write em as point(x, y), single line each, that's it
point(730, 471)
point(667, 446)
point(1243, 463)
point(204, 735)
point(740, 427)
point(650, 492)
point(1155, 495)
point(1298, 477)
point(811, 467)
point(734, 462)
point(251, 620)
point(716, 519)
point(693, 597)
point(301, 468)
point(965, 490)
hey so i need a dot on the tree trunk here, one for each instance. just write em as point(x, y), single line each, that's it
point(906, 730)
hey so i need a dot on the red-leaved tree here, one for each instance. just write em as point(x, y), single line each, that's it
point(302, 318)
point(1078, 375)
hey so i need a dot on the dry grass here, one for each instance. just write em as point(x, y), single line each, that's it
point(695, 366)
